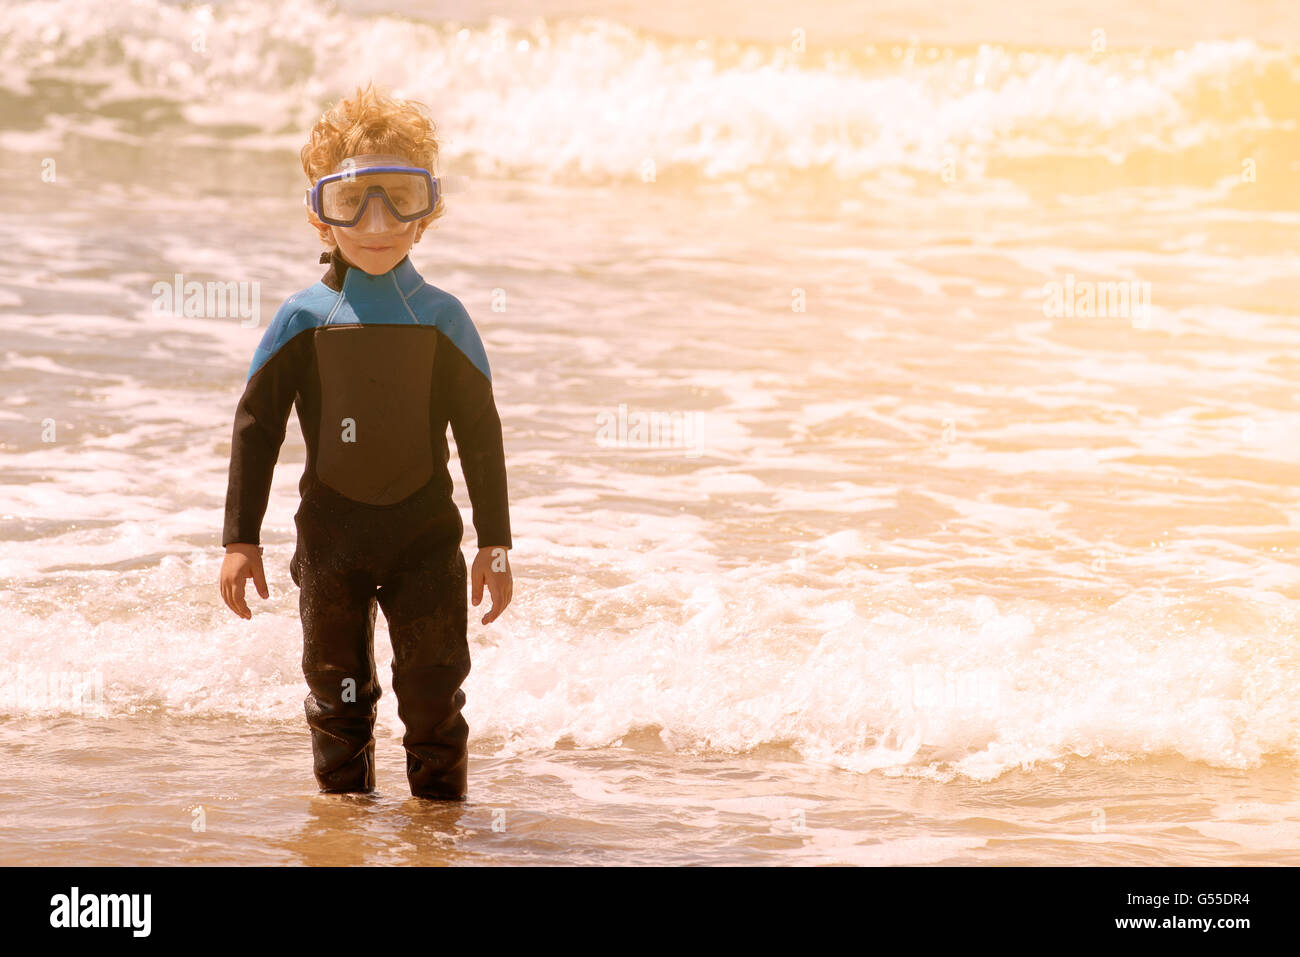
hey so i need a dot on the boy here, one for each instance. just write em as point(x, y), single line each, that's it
point(377, 363)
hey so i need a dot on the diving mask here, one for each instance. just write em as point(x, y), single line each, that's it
point(339, 199)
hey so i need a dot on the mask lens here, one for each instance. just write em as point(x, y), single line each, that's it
point(407, 192)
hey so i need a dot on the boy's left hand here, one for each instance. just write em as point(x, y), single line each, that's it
point(492, 565)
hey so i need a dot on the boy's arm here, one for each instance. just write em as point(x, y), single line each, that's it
point(476, 427)
point(260, 420)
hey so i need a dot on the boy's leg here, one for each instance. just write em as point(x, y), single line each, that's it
point(337, 608)
point(426, 607)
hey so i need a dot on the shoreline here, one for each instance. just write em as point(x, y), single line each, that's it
point(163, 790)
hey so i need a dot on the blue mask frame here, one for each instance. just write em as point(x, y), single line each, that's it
point(313, 196)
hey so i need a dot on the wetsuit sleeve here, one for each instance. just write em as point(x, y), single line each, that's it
point(476, 426)
point(260, 420)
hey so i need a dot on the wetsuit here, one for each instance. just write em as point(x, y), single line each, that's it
point(377, 366)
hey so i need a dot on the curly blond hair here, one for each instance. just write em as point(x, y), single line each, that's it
point(373, 122)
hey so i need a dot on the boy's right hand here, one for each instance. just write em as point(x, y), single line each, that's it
point(242, 562)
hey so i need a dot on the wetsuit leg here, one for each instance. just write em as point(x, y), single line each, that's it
point(426, 607)
point(337, 607)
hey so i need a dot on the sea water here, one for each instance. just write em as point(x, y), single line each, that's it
point(899, 413)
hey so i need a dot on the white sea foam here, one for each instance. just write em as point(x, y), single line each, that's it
point(592, 98)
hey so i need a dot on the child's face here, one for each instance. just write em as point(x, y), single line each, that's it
point(378, 242)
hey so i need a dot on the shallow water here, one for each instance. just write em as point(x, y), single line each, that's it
point(161, 791)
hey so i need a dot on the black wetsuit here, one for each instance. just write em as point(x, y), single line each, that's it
point(377, 367)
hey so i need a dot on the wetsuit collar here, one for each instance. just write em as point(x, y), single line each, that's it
point(343, 276)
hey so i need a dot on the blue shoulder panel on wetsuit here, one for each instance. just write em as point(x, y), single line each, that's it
point(301, 311)
point(445, 311)
point(399, 296)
